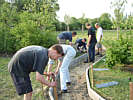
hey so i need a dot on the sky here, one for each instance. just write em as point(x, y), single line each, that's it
point(91, 8)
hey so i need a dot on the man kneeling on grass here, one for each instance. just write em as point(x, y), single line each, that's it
point(31, 59)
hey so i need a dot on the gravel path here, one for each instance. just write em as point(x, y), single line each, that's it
point(78, 89)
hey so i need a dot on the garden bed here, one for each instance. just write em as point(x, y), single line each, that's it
point(116, 92)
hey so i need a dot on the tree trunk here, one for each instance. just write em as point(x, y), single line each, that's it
point(82, 29)
point(68, 28)
point(117, 33)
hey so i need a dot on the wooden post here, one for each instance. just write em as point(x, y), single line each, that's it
point(54, 88)
point(92, 81)
point(55, 93)
point(131, 90)
point(43, 92)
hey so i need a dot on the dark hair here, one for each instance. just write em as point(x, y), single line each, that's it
point(58, 48)
point(88, 24)
point(84, 39)
point(74, 33)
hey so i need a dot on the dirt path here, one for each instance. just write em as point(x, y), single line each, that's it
point(78, 89)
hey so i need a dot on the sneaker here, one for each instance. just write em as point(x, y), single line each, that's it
point(97, 53)
point(64, 91)
point(86, 61)
point(100, 55)
point(68, 83)
point(92, 61)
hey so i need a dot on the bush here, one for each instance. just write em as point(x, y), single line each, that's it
point(120, 52)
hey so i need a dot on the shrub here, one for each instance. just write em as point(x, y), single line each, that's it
point(120, 52)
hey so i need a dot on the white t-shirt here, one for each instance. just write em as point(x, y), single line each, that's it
point(99, 33)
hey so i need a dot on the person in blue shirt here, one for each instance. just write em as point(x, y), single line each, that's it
point(62, 37)
point(81, 44)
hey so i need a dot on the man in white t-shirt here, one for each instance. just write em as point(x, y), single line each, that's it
point(99, 36)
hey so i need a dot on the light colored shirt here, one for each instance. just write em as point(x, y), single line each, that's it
point(66, 48)
point(99, 34)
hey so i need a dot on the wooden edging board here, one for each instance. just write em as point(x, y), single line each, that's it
point(91, 92)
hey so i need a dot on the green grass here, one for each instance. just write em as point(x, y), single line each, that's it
point(108, 37)
point(116, 92)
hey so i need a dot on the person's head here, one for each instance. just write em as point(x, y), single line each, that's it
point(88, 26)
point(55, 52)
point(74, 34)
point(97, 25)
point(84, 40)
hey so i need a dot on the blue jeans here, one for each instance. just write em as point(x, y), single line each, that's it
point(91, 51)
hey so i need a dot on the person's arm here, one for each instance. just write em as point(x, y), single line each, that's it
point(58, 67)
point(84, 45)
point(89, 39)
point(49, 70)
point(41, 79)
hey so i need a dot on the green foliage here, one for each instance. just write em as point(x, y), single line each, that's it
point(120, 52)
point(105, 21)
point(27, 22)
point(75, 24)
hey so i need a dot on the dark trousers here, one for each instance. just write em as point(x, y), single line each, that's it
point(91, 51)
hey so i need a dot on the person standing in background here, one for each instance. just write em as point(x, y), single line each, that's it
point(91, 43)
point(99, 39)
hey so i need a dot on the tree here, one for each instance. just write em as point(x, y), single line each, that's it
point(94, 21)
point(82, 21)
point(27, 22)
point(8, 20)
point(119, 7)
point(67, 20)
point(75, 24)
point(105, 21)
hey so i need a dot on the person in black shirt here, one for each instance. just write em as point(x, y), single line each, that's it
point(31, 59)
point(81, 44)
point(91, 43)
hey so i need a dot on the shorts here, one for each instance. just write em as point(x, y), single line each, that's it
point(22, 84)
point(99, 45)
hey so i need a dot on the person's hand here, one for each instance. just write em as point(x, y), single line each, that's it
point(53, 84)
point(56, 72)
point(49, 75)
point(88, 44)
